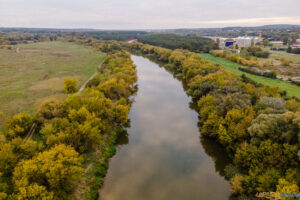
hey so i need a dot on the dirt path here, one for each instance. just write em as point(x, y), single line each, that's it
point(32, 130)
point(30, 133)
point(84, 84)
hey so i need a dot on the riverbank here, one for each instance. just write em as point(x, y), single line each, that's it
point(233, 110)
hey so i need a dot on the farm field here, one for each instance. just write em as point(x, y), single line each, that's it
point(292, 90)
point(31, 73)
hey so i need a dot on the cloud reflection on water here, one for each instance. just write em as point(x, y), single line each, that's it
point(164, 158)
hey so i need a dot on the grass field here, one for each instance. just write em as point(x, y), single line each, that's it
point(31, 73)
point(295, 58)
point(292, 90)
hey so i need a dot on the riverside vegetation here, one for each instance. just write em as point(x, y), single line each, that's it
point(258, 128)
point(67, 156)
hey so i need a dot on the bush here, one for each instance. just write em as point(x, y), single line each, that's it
point(256, 51)
point(285, 62)
point(272, 74)
point(275, 103)
point(237, 184)
point(19, 125)
point(70, 85)
point(296, 51)
point(231, 171)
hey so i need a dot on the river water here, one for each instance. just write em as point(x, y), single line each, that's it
point(163, 156)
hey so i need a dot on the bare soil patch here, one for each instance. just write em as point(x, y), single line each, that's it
point(61, 54)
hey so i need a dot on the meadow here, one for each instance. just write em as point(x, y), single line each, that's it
point(292, 90)
point(32, 73)
point(295, 58)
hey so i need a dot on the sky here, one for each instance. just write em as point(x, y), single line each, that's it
point(147, 14)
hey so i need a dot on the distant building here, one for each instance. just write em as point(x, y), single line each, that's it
point(247, 41)
point(276, 43)
point(240, 41)
point(229, 42)
point(295, 46)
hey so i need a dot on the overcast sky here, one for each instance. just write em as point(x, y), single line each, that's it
point(146, 14)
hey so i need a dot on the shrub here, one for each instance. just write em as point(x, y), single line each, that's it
point(70, 85)
point(19, 125)
point(285, 62)
point(275, 103)
point(296, 51)
point(231, 171)
point(237, 184)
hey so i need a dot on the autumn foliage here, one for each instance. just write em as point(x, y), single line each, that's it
point(257, 127)
point(48, 163)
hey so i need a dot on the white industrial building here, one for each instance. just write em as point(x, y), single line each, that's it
point(242, 41)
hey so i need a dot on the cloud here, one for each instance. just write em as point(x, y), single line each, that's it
point(146, 14)
point(253, 21)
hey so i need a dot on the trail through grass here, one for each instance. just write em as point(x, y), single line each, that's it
point(35, 72)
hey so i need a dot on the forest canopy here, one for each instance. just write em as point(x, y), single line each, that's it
point(173, 41)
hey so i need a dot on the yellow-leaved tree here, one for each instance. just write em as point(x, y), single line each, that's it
point(70, 85)
point(49, 175)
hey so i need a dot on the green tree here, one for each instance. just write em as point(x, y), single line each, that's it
point(3, 188)
point(266, 42)
point(268, 180)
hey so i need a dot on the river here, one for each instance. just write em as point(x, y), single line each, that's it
point(163, 156)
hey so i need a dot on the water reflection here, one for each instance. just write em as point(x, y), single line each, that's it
point(163, 159)
point(216, 151)
point(122, 138)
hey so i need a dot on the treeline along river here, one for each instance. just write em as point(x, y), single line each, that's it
point(164, 156)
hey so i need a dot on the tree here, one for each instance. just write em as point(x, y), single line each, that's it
point(49, 110)
point(285, 39)
point(237, 184)
point(212, 125)
point(11, 152)
point(3, 188)
point(237, 121)
point(232, 101)
point(33, 192)
point(293, 38)
point(70, 85)
point(18, 125)
point(50, 173)
point(293, 105)
point(266, 154)
point(286, 187)
point(266, 42)
point(206, 106)
point(278, 127)
point(274, 103)
point(114, 89)
point(268, 180)
point(7, 158)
